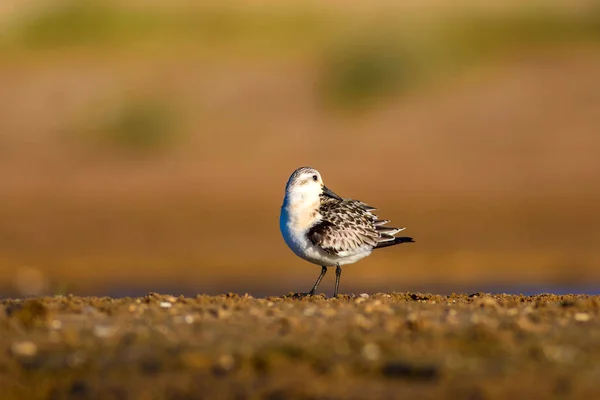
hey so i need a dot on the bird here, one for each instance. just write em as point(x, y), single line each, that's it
point(325, 229)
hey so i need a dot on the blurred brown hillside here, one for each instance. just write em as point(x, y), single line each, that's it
point(147, 146)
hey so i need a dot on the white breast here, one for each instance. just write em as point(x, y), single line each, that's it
point(294, 229)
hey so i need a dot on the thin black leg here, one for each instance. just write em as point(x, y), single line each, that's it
point(338, 274)
point(314, 289)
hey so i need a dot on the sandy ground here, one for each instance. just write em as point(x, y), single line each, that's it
point(491, 164)
point(381, 346)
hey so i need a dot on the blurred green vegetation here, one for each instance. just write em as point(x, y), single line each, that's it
point(134, 126)
point(472, 36)
point(361, 59)
point(354, 73)
point(94, 22)
point(383, 59)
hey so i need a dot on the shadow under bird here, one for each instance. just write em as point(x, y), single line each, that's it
point(328, 230)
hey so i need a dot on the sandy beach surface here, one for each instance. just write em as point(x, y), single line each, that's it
point(379, 346)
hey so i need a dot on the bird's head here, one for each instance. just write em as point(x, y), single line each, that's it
point(305, 186)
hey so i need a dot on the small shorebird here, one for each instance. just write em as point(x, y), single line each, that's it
point(325, 229)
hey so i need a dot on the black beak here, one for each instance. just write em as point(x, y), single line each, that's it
point(327, 192)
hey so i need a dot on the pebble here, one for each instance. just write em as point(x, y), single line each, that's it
point(362, 322)
point(104, 331)
point(89, 310)
point(512, 312)
point(364, 295)
point(309, 311)
point(256, 312)
point(371, 307)
point(223, 314)
point(582, 317)
point(526, 325)
point(562, 354)
point(225, 363)
point(486, 302)
point(24, 348)
point(371, 351)
point(165, 304)
point(414, 323)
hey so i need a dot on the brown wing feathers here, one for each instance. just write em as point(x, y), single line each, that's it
point(349, 225)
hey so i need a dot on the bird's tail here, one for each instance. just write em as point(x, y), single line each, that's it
point(397, 240)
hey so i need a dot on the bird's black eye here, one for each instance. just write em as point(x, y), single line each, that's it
point(315, 178)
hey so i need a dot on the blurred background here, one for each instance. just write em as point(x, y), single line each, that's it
point(145, 145)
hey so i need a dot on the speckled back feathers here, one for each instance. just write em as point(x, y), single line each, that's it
point(349, 226)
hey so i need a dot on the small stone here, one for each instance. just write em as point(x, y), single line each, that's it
point(309, 311)
point(364, 295)
point(451, 317)
point(581, 317)
point(384, 308)
point(477, 319)
point(525, 324)
point(89, 310)
point(165, 304)
point(512, 312)
point(362, 321)
point(371, 351)
point(562, 354)
point(256, 312)
point(486, 302)
point(371, 307)
point(528, 310)
point(105, 331)
point(223, 314)
point(414, 323)
point(224, 364)
point(24, 348)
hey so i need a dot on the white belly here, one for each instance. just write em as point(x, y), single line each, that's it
point(296, 239)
